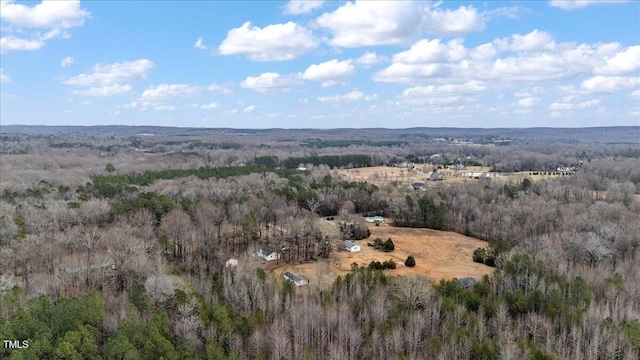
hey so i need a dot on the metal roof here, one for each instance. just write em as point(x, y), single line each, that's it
point(294, 277)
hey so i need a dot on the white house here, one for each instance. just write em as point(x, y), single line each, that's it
point(372, 219)
point(268, 254)
point(298, 280)
point(231, 263)
point(351, 247)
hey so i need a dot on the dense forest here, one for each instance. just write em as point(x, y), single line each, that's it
point(114, 244)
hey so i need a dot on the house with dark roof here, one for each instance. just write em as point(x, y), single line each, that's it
point(436, 176)
point(298, 280)
point(467, 282)
point(418, 186)
point(268, 254)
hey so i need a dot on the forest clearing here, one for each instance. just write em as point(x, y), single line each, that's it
point(439, 255)
point(384, 175)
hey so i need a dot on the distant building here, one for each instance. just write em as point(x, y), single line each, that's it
point(231, 263)
point(436, 176)
point(467, 282)
point(372, 219)
point(418, 186)
point(351, 247)
point(298, 280)
point(268, 254)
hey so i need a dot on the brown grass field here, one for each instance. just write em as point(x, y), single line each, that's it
point(438, 254)
point(384, 175)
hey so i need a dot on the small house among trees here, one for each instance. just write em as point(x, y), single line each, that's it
point(297, 280)
point(268, 254)
point(436, 176)
point(351, 247)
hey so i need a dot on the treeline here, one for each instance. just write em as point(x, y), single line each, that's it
point(330, 160)
point(318, 143)
point(421, 212)
point(207, 172)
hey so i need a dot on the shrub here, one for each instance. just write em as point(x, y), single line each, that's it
point(410, 262)
point(388, 246)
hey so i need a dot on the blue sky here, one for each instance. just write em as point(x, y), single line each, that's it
point(315, 64)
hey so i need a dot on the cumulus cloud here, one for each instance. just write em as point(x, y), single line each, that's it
point(10, 43)
point(109, 74)
point(528, 102)
point(167, 91)
point(609, 84)
point(249, 108)
point(199, 45)
point(210, 106)
point(47, 14)
point(453, 22)
point(68, 61)
point(564, 106)
point(352, 96)
point(104, 91)
point(369, 59)
point(578, 4)
point(330, 73)
point(626, 61)
point(270, 82)
point(533, 41)
point(4, 78)
point(272, 43)
point(531, 57)
point(470, 87)
point(53, 17)
point(109, 79)
point(165, 108)
point(369, 23)
point(297, 7)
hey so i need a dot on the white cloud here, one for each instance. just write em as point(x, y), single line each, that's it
point(635, 94)
point(533, 41)
point(167, 91)
point(47, 14)
point(529, 92)
point(352, 96)
point(470, 87)
point(249, 108)
point(210, 106)
point(578, 4)
point(297, 7)
point(528, 102)
point(369, 59)
point(606, 84)
point(574, 106)
point(10, 43)
point(453, 22)
point(405, 73)
point(54, 16)
point(4, 78)
point(113, 73)
point(624, 62)
point(432, 51)
point(104, 91)
point(66, 61)
point(330, 73)
point(272, 43)
point(269, 82)
point(368, 23)
point(165, 108)
point(199, 45)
